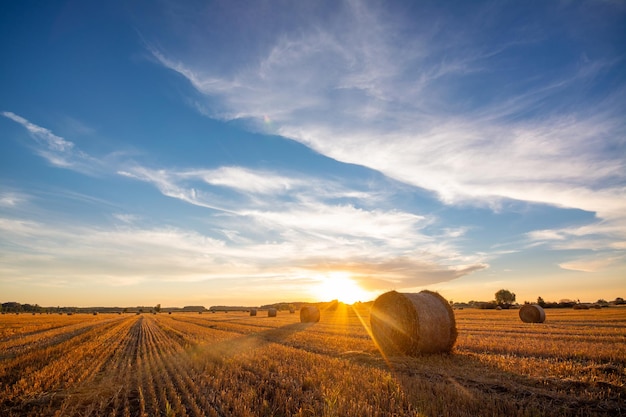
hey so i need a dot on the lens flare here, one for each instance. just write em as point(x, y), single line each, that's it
point(340, 286)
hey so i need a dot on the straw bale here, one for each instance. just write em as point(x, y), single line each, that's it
point(253, 312)
point(271, 312)
point(309, 314)
point(532, 313)
point(413, 323)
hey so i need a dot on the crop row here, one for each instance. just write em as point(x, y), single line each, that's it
point(233, 364)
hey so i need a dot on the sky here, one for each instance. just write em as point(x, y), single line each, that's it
point(251, 152)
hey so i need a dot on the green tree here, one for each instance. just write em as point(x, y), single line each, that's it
point(505, 298)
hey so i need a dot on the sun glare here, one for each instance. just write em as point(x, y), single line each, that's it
point(340, 286)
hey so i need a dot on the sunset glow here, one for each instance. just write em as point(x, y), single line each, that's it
point(339, 286)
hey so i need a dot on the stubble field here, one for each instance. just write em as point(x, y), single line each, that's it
point(225, 364)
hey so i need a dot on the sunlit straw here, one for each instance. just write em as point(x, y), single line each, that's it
point(371, 335)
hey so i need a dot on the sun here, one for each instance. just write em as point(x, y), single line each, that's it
point(340, 286)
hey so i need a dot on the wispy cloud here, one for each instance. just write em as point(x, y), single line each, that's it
point(592, 264)
point(247, 180)
point(46, 137)
point(356, 94)
point(133, 254)
point(57, 150)
point(267, 222)
point(286, 206)
point(12, 199)
point(597, 236)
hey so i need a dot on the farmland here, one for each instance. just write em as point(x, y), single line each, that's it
point(221, 364)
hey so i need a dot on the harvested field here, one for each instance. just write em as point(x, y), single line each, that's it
point(220, 364)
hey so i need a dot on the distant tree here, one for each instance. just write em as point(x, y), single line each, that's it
point(157, 308)
point(12, 307)
point(619, 301)
point(540, 301)
point(505, 298)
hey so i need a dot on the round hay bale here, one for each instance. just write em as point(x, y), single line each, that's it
point(413, 323)
point(271, 312)
point(532, 313)
point(309, 314)
point(253, 312)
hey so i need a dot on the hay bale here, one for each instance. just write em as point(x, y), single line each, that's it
point(271, 312)
point(413, 323)
point(309, 314)
point(532, 313)
point(253, 312)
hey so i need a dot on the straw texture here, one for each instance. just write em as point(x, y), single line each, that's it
point(413, 323)
point(532, 313)
point(309, 314)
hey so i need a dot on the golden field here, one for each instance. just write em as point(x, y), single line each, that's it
point(223, 364)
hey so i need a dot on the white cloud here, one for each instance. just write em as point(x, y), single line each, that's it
point(604, 235)
point(273, 222)
point(126, 218)
point(49, 139)
point(282, 206)
point(58, 151)
point(592, 264)
point(80, 254)
point(247, 180)
point(246, 187)
point(355, 93)
point(392, 228)
point(11, 199)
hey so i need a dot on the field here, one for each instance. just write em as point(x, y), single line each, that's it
point(222, 364)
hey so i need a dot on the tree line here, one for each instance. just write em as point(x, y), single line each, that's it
point(505, 299)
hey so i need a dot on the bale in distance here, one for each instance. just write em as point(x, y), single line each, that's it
point(413, 323)
point(253, 312)
point(271, 312)
point(532, 313)
point(309, 314)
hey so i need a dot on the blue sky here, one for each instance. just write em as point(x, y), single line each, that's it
point(232, 152)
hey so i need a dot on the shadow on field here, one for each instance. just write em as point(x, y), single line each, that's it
point(461, 384)
point(227, 348)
